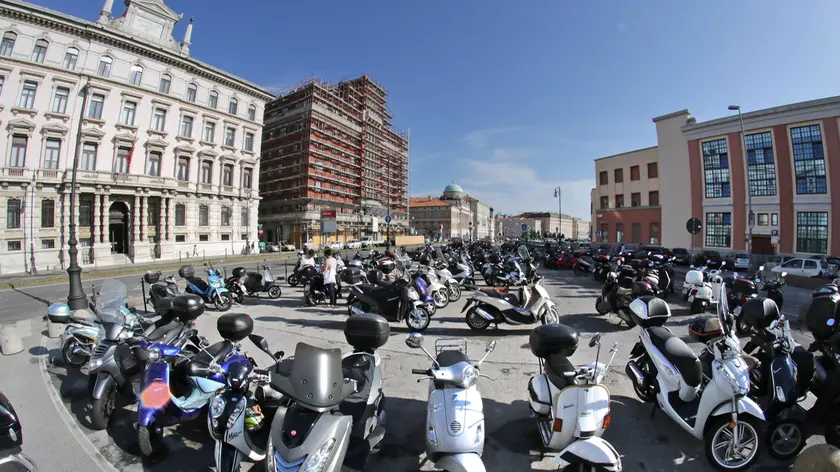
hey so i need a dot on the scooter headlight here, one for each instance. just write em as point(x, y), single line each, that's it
point(468, 376)
point(217, 406)
point(317, 462)
point(154, 354)
point(737, 388)
point(95, 363)
point(433, 278)
point(412, 294)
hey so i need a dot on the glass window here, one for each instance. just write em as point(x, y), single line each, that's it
point(716, 170)
point(136, 75)
point(40, 51)
point(605, 203)
point(70, 58)
point(653, 198)
point(619, 232)
point(121, 161)
point(654, 233)
point(810, 264)
point(244, 216)
point(165, 82)
point(191, 92)
point(232, 106)
point(602, 177)
point(763, 219)
point(226, 216)
point(27, 95)
point(13, 212)
point(18, 155)
point(209, 132)
point(719, 230)
point(48, 244)
point(619, 175)
point(246, 178)
point(636, 233)
point(51, 153)
point(153, 169)
point(653, 170)
point(227, 175)
point(249, 141)
point(128, 113)
point(230, 136)
point(183, 173)
point(808, 160)
point(812, 232)
point(88, 160)
point(206, 172)
point(636, 199)
point(619, 201)
point(203, 215)
point(159, 119)
point(774, 219)
point(252, 113)
point(761, 168)
point(634, 173)
point(8, 43)
point(47, 213)
point(104, 67)
point(14, 246)
point(180, 214)
point(60, 100)
point(180, 238)
point(213, 99)
point(97, 102)
point(793, 263)
point(605, 230)
point(152, 213)
point(186, 126)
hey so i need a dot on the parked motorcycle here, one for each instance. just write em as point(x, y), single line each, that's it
point(455, 419)
point(583, 266)
point(666, 372)
point(575, 429)
point(11, 440)
point(337, 413)
point(484, 309)
point(702, 286)
point(262, 281)
point(397, 301)
point(160, 289)
point(619, 291)
point(212, 291)
point(236, 284)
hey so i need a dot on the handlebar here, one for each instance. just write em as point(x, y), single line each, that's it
point(421, 371)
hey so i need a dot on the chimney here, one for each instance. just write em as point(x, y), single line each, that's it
point(185, 44)
point(106, 11)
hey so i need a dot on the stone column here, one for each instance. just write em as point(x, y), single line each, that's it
point(97, 220)
point(170, 219)
point(136, 230)
point(144, 223)
point(163, 229)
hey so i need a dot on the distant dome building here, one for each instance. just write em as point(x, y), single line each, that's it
point(453, 214)
point(453, 191)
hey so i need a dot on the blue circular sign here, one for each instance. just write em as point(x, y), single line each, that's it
point(388, 219)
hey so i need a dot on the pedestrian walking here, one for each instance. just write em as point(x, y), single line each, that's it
point(329, 271)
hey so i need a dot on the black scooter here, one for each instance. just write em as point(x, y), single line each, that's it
point(618, 291)
point(11, 439)
point(262, 281)
point(395, 301)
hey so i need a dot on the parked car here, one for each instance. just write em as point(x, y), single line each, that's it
point(271, 247)
point(701, 257)
point(803, 267)
point(738, 260)
point(286, 246)
point(354, 244)
point(778, 260)
point(336, 246)
point(683, 257)
point(642, 251)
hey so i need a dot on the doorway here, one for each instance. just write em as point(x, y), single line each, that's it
point(761, 244)
point(118, 227)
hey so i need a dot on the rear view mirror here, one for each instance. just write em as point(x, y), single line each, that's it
point(595, 340)
point(491, 346)
point(414, 340)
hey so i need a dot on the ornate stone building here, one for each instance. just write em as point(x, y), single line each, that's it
point(168, 146)
point(454, 214)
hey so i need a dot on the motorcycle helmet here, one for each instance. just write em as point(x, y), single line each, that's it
point(254, 418)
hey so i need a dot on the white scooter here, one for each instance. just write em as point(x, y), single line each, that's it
point(706, 396)
point(570, 404)
point(437, 289)
point(702, 286)
point(455, 419)
point(493, 307)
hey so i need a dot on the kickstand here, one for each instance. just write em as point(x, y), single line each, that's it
point(497, 325)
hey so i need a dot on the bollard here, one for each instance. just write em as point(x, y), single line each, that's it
point(818, 458)
point(55, 330)
point(10, 342)
point(58, 314)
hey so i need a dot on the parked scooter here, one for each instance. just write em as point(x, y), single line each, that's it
point(702, 286)
point(397, 301)
point(262, 281)
point(619, 291)
point(489, 309)
point(666, 372)
point(236, 284)
point(11, 440)
point(337, 413)
point(455, 419)
point(575, 429)
point(212, 291)
point(583, 265)
point(160, 289)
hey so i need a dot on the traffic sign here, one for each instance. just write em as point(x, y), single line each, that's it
point(524, 227)
point(597, 234)
point(693, 225)
point(774, 232)
point(388, 219)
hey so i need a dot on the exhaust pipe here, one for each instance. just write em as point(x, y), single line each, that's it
point(635, 373)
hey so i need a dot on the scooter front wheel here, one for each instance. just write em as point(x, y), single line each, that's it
point(150, 440)
point(454, 292)
point(719, 437)
point(698, 306)
point(476, 321)
point(417, 319)
point(223, 301)
point(293, 280)
point(785, 439)
point(441, 298)
point(102, 408)
point(274, 292)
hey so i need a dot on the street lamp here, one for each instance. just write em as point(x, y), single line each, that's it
point(750, 215)
point(76, 298)
point(558, 192)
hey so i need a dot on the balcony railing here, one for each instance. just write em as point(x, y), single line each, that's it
point(208, 188)
point(17, 172)
point(183, 184)
point(49, 174)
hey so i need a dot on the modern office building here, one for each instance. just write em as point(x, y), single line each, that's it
point(332, 147)
point(792, 156)
point(168, 146)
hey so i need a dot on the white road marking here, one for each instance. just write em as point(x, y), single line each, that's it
point(92, 452)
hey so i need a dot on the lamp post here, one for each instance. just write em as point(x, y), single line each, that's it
point(76, 298)
point(558, 192)
point(750, 215)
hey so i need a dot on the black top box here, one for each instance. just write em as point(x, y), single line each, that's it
point(187, 272)
point(366, 331)
point(235, 326)
point(187, 307)
point(759, 312)
point(823, 309)
point(239, 271)
point(551, 339)
point(151, 277)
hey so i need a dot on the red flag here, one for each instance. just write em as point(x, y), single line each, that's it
point(128, 158)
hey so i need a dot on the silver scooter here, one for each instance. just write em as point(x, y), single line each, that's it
point(336, 417)
point(455, 419)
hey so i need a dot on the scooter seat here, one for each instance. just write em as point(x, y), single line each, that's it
point(199, 283)
point(165, 333)
point(508, 296)
point(361, 369)
point(217, 351)
point(451, 357)
point(678, 353)
point(560, 372)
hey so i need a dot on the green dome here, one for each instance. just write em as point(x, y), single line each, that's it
point(453, 187)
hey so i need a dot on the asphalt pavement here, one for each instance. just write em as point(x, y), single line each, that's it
point(53, 405)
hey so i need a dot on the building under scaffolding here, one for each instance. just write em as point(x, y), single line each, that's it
point(332, 147)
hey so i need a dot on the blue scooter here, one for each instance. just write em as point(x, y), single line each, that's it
point(213, 291)
point(176, 387)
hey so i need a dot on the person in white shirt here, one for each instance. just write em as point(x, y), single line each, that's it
point(329, 270)
point(308, 259)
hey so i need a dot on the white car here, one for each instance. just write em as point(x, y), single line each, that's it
point(802, 267)
point(354, 244)
point(337, 246)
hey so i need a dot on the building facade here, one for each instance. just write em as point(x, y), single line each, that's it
point(792, 157)
point(626, 198)
point(453, 214)
point(332, 147)
point(510, 227)
point(552, 223)
point(168, 147)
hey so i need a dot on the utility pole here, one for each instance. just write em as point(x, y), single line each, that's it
point(76, 298)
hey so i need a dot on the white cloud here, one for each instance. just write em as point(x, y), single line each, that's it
point(479, 138)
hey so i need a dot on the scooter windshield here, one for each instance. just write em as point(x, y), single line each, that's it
point(315, 379)
point(110, 300)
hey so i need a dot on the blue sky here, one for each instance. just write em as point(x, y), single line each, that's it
point(510, 99)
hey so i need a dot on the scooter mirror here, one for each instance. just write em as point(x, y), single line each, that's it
point(784, 274)
point(414, 340)
point(830, 322)
point(491, 346)
point(595, 340)
point(760, 268)
point(260, 342)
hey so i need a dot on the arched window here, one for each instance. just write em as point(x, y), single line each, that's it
point(165, 82)
point(191, 92)
point(105, 66)
point(252, 113)
point(213, 100)
point(232, 106)
point(136, 75)
point(8, 43)
point(70, 58)
point(40, 51)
